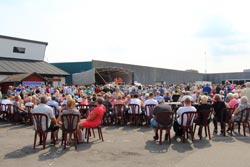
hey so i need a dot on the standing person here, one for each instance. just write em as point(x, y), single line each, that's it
point(94, 118)
point(246, 91)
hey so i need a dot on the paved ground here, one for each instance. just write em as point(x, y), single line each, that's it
point(123, 146)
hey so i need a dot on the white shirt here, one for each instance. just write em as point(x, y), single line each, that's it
point(44, 109)
point(182, 110)
point(135, 101)
point(6, 101)
point(150, 101)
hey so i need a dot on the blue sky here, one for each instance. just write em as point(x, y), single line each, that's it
point(194, 34)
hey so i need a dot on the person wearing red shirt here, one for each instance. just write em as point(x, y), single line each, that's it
point(94, 118)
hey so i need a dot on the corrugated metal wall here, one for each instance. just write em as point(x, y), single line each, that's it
point(73, 67)
point(150, 75)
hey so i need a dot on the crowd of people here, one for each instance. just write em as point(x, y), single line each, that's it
point(65, 99)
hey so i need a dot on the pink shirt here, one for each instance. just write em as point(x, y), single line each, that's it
point(232, 103)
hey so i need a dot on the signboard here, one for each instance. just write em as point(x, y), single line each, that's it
point(32, 83)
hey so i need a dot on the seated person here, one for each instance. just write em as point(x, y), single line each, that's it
point(187, 107)
point(45, 109)
point(203, 106)
point(218, 107)
point(154, 121)
point(243, 105)
point(94, 118)
point(70, 109)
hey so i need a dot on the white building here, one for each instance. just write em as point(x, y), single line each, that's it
point(23, 56)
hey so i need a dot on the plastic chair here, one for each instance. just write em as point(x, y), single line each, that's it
point(188, 125)
point(85, 109)
point(40, 122)
point(203, 120)
point(244, 120)
point(226, 119)
point(134, 116)
point(149, 108)
point(165, 121)
point(119, 113)
point(88, 132)
point(69, 126)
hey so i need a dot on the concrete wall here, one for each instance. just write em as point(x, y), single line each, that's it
point(219, 77)
point(33, 51)
point(151, 75)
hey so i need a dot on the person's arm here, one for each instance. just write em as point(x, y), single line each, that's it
point(92, 117)
point(53, 120)
point(236, 111)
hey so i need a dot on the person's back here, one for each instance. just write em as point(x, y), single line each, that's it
point(137, 101)
point(151, 100)
point(201, 108)
point(44, 109)
point(187, 107)
point(163, 108)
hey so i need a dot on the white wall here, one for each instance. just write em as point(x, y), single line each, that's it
point(59, 83)
point(33, 51)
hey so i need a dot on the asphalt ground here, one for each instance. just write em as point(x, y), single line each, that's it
point(122, 146)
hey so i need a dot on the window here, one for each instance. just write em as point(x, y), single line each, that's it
point(18, 50)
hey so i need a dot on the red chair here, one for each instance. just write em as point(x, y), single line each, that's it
point(187, 119)
point(164, 120)
point(203, 120)
point(149, 108)
point(40, 122)
point(69, 126)
point(119, 113)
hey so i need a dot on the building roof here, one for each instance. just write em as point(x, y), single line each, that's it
point(19, 77)
point(20, 66)
point(24, 40)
